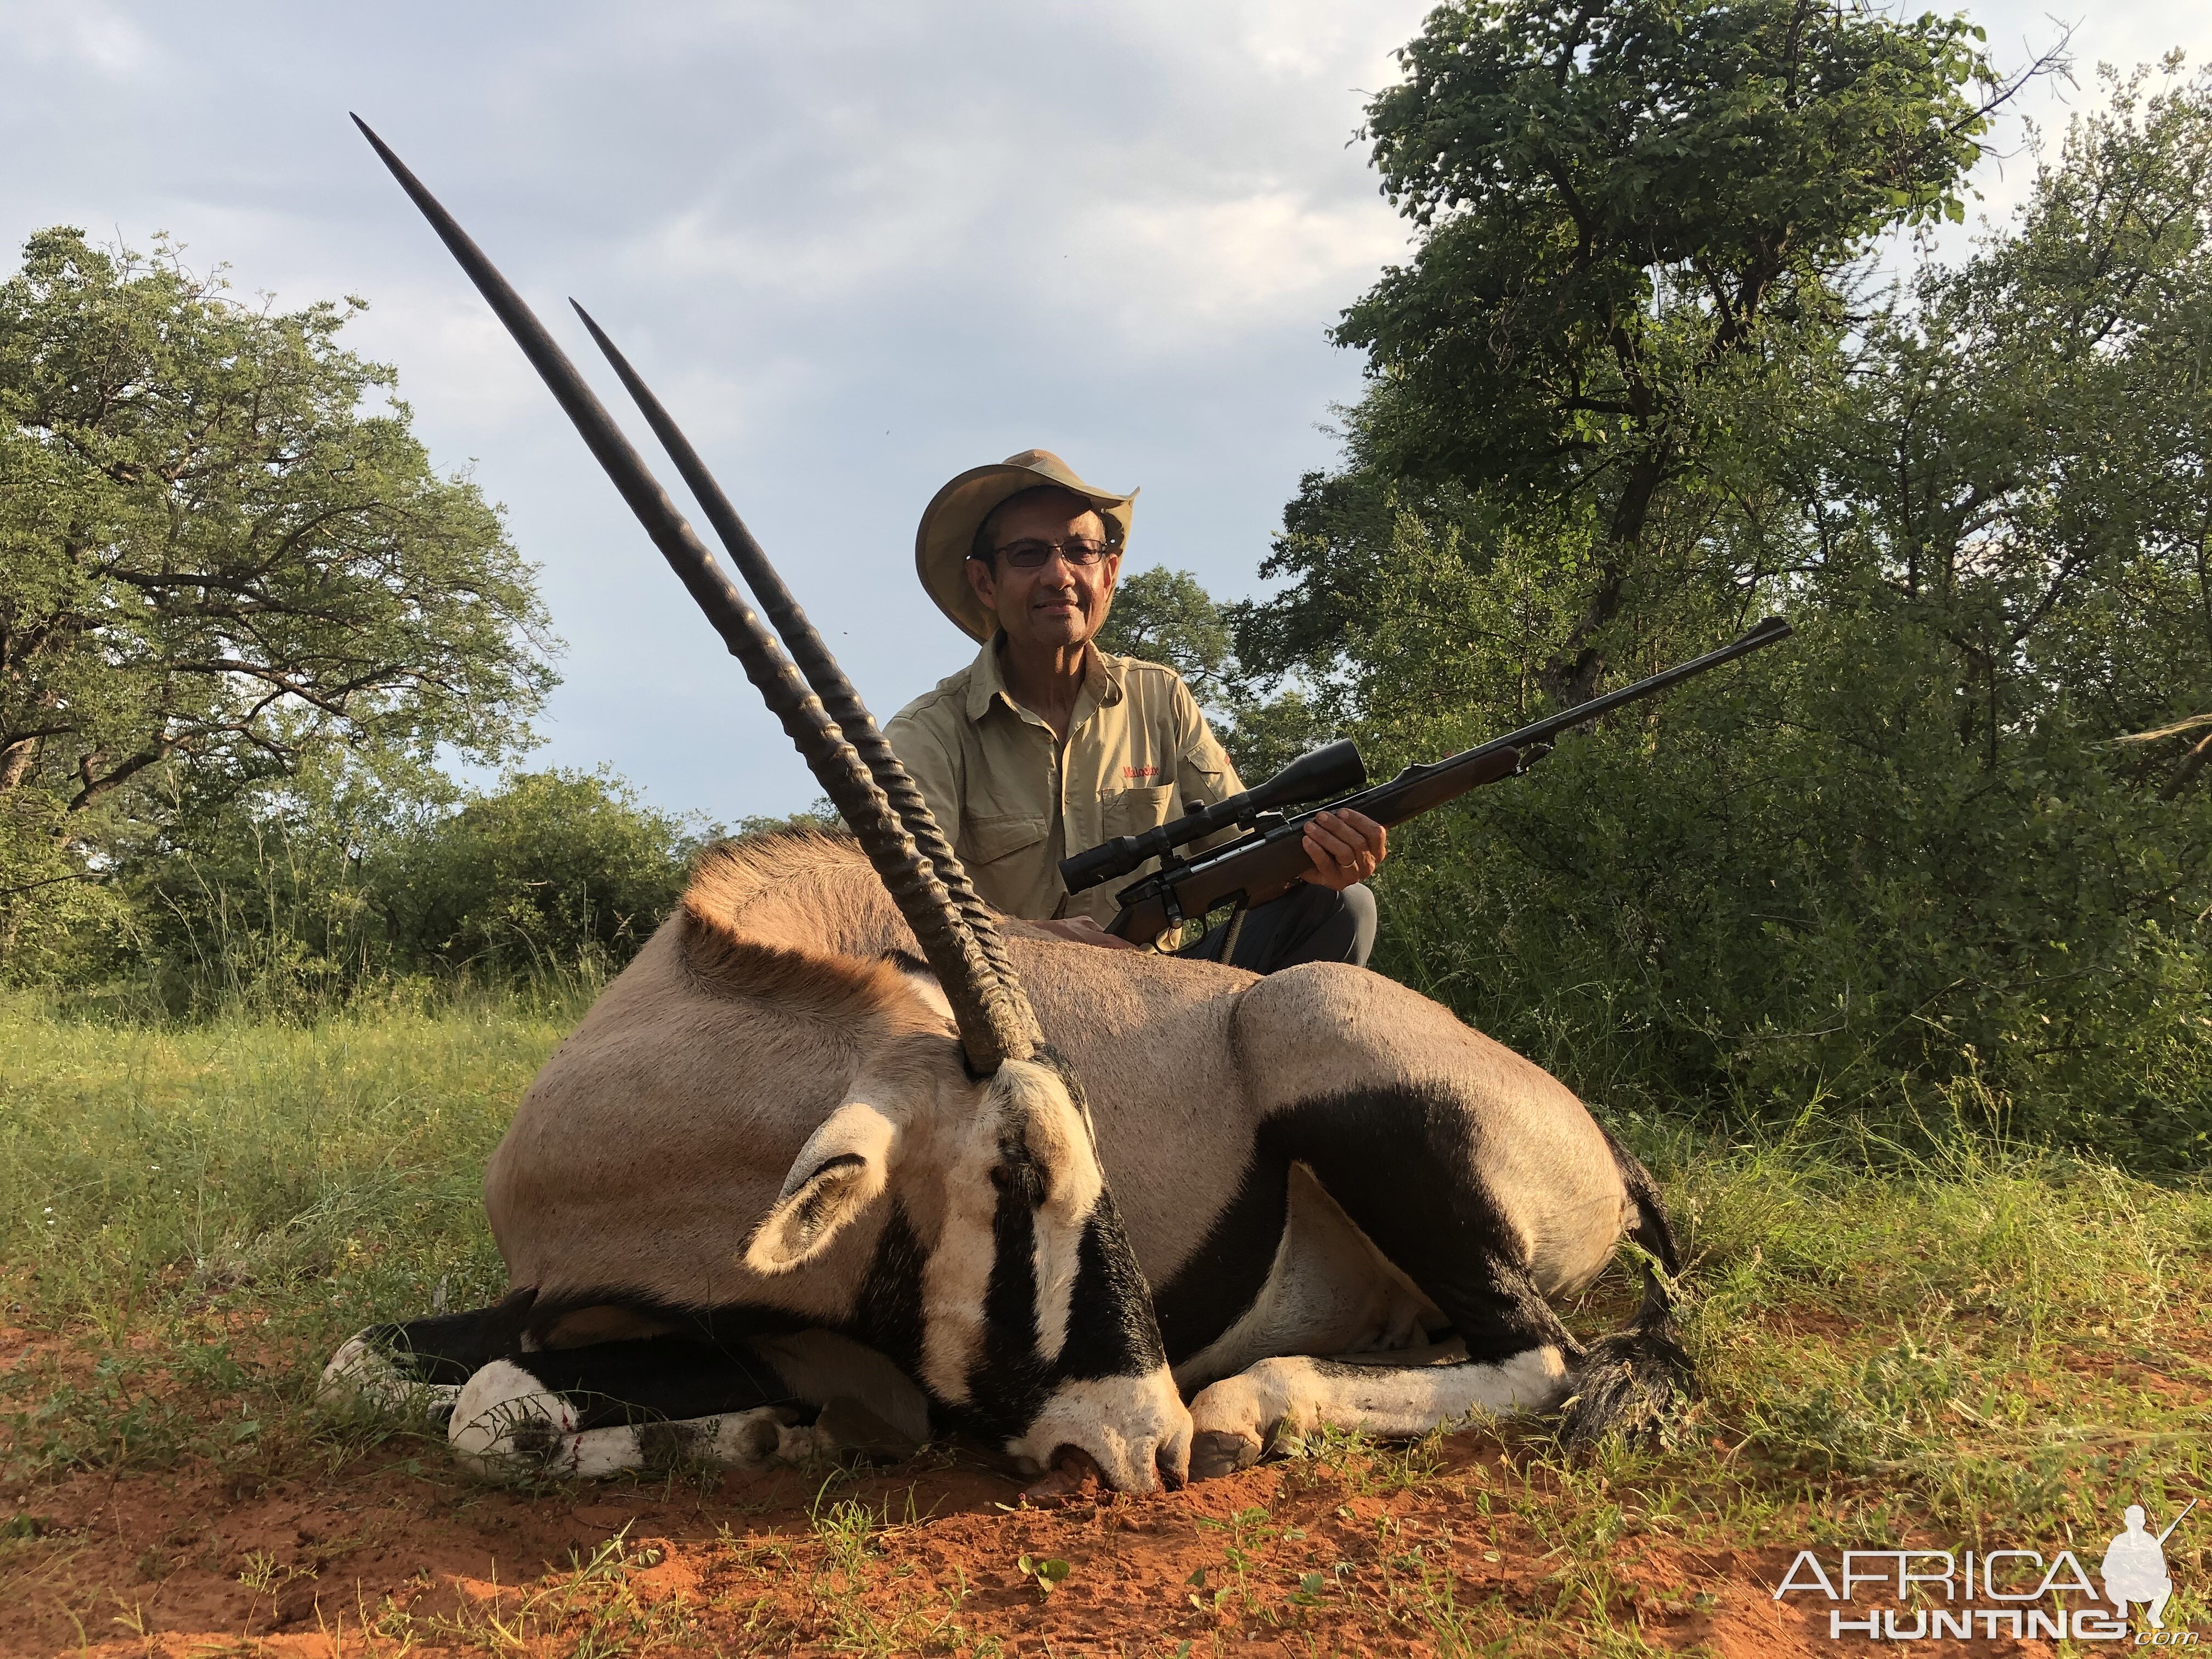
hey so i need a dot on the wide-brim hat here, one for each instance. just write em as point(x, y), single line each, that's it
point(949, 523)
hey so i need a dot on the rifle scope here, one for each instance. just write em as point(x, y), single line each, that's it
point(1331, 769)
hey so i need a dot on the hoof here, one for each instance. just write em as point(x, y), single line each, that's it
point(362, 1375)
point(847, 1426)
point(1216, 1452)
point(801, 1444)
point(746, 1440)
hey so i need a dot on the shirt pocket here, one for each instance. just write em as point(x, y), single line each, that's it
point(1132, 811)
point(1204, 771)
point(990, 839)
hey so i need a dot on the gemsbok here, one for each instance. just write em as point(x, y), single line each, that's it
point(842, 1156)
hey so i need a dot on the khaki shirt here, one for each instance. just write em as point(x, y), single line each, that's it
point(1014, 805)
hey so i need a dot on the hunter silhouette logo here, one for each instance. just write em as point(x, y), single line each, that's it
point(2135, 1566)
point(1933, 1593)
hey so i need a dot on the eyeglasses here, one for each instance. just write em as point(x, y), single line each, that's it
point(1031, 555)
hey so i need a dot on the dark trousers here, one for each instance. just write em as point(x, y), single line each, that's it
point(1307, 924)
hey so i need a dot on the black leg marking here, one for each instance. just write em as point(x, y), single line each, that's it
point(1007, 1385)
point(657, 1379)
point(1212, 1290)
point(1399, 1162)
point(667, 1445)
point(449, 1348)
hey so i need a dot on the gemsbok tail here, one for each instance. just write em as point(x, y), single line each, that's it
point(1634, 1383)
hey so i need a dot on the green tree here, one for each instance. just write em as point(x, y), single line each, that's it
point(1165, 617)
point(1633, 215)
point(2017, 463)
point(1903, 866)
point(219, 555)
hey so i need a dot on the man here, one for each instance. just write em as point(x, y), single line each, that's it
point(1044, 745)
point(2134, 1568)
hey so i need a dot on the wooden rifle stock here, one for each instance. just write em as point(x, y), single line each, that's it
point(1266, 863)
point(1263, 864)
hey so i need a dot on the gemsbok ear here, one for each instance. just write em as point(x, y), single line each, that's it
point(840, 1171)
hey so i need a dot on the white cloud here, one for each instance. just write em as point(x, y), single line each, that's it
point(84, 34)
point(1174, 269)
point(456, 363)
point(857, 247)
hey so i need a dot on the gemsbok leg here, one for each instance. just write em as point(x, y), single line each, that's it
point(1477, 1179)
point(423, 1363)
point(700, 1395)
point(1423, 1214)
point(644, 1404)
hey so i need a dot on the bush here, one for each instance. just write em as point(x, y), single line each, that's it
point(308, 896)
point(551, 868)
point(1784, 894)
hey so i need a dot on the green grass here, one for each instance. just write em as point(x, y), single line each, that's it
point(1983, 1344)
point(1987, 1330)
point(203, 1204)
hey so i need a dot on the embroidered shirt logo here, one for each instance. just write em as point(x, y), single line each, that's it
point(1140, 771)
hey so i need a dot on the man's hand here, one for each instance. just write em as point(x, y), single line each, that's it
point(1084, 931)
point(1344, 847)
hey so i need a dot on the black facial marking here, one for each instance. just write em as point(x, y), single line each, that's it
point(1008, 1385)
point(887, 1313)
point(1017, 1177)
point(1111, 1330)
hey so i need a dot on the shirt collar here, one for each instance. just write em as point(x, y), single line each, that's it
point(986, 683)
point(1103, 678)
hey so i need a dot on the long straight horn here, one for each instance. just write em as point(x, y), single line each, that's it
point(995, 1024)
point(812, 655)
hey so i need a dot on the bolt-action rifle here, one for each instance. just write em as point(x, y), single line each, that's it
point(1265, 862)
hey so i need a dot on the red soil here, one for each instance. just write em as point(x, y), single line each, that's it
point(168, 1566)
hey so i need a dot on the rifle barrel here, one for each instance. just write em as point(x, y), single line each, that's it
point(1265, 863)
point(1753, 638)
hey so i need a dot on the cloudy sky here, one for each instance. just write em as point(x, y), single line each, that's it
point(856, 247)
